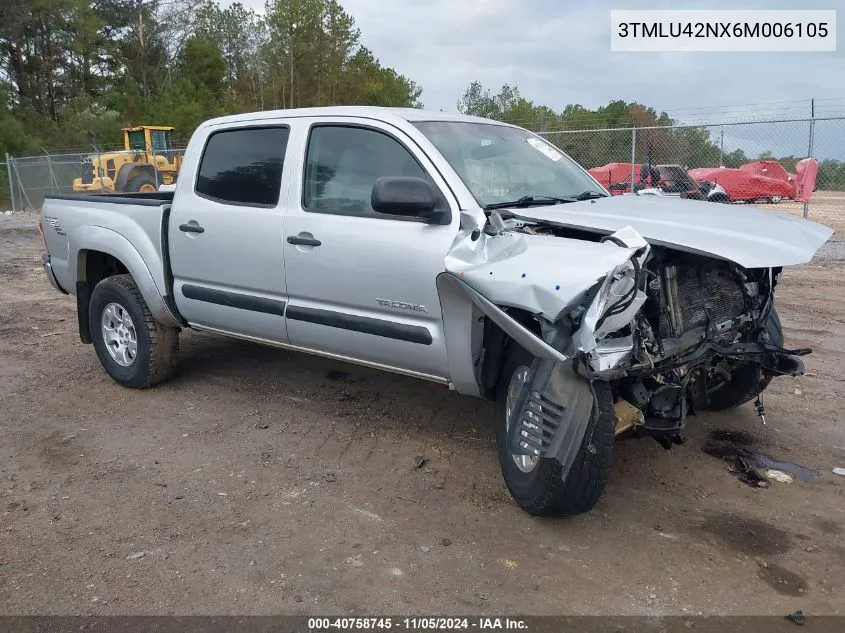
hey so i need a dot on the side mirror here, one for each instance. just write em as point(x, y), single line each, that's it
point(401, 195)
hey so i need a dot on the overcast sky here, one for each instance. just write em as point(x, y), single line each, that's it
point(557, 53)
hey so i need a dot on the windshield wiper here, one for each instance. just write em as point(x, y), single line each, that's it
point(530, 201)
point(589, 195)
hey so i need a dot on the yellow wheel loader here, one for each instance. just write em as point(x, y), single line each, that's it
point(148, 160)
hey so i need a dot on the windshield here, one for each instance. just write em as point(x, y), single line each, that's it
point(500, 164)
point(136, 140)
point(160, 140)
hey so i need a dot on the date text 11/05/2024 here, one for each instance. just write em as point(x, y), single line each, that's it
point(416, 624)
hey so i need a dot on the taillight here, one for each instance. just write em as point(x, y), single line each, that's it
point(43, 239)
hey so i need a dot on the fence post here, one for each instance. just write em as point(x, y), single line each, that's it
point(810, 144)
point(722, 149)
point(633, 155)
point(53, 182)
point(27, 204)
point(11, 186)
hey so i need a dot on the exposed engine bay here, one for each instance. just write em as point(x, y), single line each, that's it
point(666, 329)
point(701, 319)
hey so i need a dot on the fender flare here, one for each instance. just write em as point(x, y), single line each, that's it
point(97, 238)
point(461, 305)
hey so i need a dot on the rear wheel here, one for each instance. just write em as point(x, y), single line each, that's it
point(134, 348)
point(536, 484)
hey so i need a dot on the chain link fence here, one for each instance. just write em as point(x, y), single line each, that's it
point(753, 161)
point(729, 145)
point(30, 178)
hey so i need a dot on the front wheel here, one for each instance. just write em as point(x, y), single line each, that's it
point(537, 484)
point(134, 348)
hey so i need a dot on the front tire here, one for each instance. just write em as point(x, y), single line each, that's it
point(135, 350)
point(536, 484)
point(746, 381)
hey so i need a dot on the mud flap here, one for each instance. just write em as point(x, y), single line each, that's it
point(552, 413)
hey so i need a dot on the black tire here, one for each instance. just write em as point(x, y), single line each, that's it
point(157, 345)
point(543, 492)
point(141, 182)
point(747, 380)
point(719, 198)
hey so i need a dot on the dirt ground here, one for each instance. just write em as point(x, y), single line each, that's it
point(826, 207)
point(259, 481)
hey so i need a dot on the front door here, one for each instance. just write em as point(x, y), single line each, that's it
point(226, 235)
point(361, 284)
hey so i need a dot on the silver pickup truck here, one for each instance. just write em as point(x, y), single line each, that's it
point(455, 249)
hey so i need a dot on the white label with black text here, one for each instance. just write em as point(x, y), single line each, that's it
point(723, 30)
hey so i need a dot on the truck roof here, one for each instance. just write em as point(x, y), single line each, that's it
point(369, 112)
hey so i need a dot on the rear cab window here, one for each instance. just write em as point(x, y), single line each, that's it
point(243, 166)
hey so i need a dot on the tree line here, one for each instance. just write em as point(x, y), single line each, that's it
point(70, 67)
point(73, 68)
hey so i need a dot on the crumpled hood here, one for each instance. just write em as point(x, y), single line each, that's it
point(750, 237)
point(538, 273)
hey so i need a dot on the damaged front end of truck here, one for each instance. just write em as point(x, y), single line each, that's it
point(668, 332)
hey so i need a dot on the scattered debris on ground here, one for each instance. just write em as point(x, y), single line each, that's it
point(752, 467)
point(797, 617)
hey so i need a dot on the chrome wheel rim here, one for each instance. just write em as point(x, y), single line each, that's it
point(119, 334)
point(525, 463)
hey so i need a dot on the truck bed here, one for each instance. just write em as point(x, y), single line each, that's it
point(131, 227)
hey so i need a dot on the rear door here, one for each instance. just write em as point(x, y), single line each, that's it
point(226, 233)
point(361, 284)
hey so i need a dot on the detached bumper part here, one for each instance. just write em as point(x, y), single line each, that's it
point(48, 270)
point(611, 353)
point(785, 365)
point(627, 416)
point(551, 414)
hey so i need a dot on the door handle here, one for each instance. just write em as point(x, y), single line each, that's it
point(191, 228)
point(303, 241)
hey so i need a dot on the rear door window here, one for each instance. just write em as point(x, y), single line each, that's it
point(243, 166)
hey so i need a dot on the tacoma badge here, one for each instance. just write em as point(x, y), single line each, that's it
point(402, 304)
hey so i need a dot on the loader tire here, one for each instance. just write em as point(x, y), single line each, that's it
point(142, 183)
